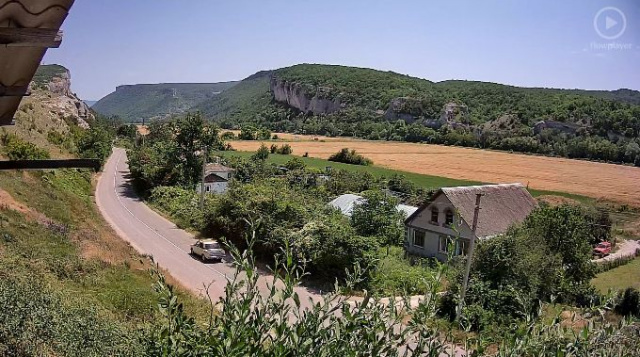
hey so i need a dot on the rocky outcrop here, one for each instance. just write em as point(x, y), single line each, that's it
point(66, 102)
point(294, 95)
point(403, 108)
point(568, 128)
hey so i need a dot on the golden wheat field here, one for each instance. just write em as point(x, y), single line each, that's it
point(599, 180)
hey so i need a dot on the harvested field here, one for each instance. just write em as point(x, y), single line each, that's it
point(598, 180)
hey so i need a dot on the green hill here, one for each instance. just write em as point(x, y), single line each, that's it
point(147, 101)
point(338, 100)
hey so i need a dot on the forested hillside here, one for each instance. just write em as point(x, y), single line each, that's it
point(348, 101)
point(147, 101)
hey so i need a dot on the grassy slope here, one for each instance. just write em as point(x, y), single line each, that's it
point(622, 277)
point(90, 261)
point(132, 103)
point(424, 181)
point(243, 100)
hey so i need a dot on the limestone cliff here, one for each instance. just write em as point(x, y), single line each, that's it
point(61, 98)
point(294, 95)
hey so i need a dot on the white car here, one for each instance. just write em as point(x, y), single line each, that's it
point(208, 250)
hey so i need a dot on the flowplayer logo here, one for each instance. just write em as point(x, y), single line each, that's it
point(610, 23)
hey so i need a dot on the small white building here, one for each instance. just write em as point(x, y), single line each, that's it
point(347, 202)
point(216, 178)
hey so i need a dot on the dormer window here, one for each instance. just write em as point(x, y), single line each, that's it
point(448, 218)
point(434, 215)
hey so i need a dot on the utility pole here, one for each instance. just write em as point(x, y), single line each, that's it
point(472, 243)
point(204, 169)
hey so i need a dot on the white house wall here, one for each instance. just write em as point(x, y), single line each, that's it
point(422, 222)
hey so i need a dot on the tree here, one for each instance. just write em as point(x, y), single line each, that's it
point(261, 154)
point(377, 216)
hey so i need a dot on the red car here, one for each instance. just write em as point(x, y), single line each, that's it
point(602, 249)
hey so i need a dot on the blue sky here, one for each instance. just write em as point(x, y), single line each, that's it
point(534, 43)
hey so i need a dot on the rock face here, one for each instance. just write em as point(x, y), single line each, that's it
point(568, 128)
point(68, 102)
point(399, 109)
point(294, 95)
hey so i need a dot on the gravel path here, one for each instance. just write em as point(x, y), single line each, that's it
point(626, 248)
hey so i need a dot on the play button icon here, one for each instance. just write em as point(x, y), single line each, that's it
point(610, 23)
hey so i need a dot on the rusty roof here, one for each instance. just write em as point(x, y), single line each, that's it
point(27, 29)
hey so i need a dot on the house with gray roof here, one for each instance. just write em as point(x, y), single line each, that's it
point(216, 179)
point(445, 222)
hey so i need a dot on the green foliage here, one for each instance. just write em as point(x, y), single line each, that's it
point(284, 150)
point(227, 135)
point(134, 103)
point(253, 133)
point(18, 149)
point(172, 153)
point(179, 203)
point(396, 275)
point(350, 157)
point(628, 303)
point(95, 143)
point(46, 73)
point(36, 321)
point(295, 164)
point(378, 217)
point(261, 154)
point(127, 131)
point(607, 123)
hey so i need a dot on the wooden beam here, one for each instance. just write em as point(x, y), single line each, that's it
point(50, 164)
point(30, 37)
point(14, 91)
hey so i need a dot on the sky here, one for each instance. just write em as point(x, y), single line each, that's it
point(587, 44)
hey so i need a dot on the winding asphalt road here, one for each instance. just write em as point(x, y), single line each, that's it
point(151, 234)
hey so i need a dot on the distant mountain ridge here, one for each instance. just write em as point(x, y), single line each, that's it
point(337, 100)
point(150, 101)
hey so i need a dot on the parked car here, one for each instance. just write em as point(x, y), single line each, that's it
point(602, 249)
point(208, 250)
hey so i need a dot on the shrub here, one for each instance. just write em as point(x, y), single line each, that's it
point(285, 150)
point(18, 149)
point(262, 153)
point(273, 149)
point(295, 163)
point(628, 303)
point(350, 157)
point(228, 135)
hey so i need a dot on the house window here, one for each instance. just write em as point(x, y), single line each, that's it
point(208, 188)
point(418, 239)
point(463, 247)
point(443, 244)
point(448, 218)
point(434, 215)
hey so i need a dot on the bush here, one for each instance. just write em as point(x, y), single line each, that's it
point(285, 150)
point(350, 157)
point(36, 321)
point(628, 303)
point(262, 154)
point(227, 135)
point(397, 275)
point(18, 149)
point(179, 203)
point(273, 149)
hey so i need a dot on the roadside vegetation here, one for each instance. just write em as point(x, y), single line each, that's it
point(68, 285)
